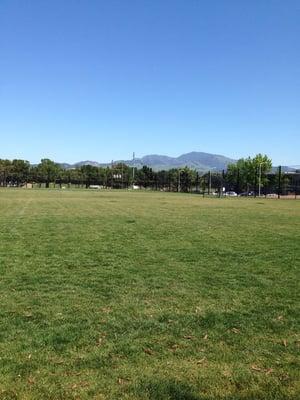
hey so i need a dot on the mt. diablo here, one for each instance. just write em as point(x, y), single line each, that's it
point(196, 160)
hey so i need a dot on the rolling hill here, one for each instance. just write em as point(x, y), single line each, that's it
point(196, 160)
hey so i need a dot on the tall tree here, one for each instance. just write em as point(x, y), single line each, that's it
point(48, 171)
point(5, 169)
point(20, 171)
point(90, 175)
point(248, 173)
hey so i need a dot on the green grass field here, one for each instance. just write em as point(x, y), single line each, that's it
point(133, 295)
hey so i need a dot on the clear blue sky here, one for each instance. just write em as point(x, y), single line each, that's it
point(97, 80)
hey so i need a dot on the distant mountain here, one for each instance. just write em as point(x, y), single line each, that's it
point(196, 160)
point(81, 163)
point(284, 169)
point(288, 169)
point(65, 165)
point(296, 167)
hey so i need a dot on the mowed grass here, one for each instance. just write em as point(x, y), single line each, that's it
point(133, 295)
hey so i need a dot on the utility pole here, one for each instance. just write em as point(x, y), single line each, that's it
point(133, 157)
point(112, 174)
point(279, 181)
point(259, 179)
point(255, 182)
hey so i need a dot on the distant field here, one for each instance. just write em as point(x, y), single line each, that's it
point(133, 295)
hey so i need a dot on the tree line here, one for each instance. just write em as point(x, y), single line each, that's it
point(250, 174)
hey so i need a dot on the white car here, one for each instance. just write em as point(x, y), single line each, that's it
point(272, 195)
point(231, 194)
point(94, 187)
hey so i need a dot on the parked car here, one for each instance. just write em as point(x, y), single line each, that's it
point(272, 195)
point(94, 187)
point(231, 194)
point(247, 194)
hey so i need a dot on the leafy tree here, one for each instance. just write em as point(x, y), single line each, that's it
point(48, 171)
point(173, 179)
point(20, 171)
point(89, 174)
point(186, 179)
point(246, 173)
point(5, 169)
point(163, 179)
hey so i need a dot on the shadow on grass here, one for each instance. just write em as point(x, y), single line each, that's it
point(165, 390)
point(174, 390)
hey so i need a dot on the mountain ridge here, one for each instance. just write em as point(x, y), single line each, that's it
point(199, 161)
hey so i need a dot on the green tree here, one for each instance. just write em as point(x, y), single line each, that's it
point(248, 173)
point(186, 178)
point(20, 171)
point(5, 169)
point(48, 171)
point(90, 175)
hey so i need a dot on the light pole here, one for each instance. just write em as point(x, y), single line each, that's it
point(259, 178)
point(112, 174)
point(133, 162)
